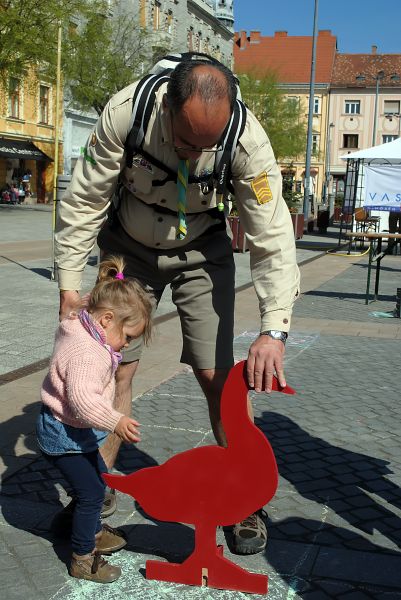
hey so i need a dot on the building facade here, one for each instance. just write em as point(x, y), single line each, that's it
point(364, 109)
point(27, 127)
point(176, 25)
point(289, 58)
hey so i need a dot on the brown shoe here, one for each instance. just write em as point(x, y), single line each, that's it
point(93, 568)
point(109, 539)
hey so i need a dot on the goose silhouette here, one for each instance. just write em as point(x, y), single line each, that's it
point(211, 486)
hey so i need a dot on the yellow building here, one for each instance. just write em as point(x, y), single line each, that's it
point(27, 132)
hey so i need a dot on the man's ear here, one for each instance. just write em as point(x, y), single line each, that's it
point(106, 319)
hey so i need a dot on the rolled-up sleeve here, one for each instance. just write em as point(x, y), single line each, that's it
point(267, 223)
point(83, 208)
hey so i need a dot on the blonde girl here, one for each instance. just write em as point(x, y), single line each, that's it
point(77, 408)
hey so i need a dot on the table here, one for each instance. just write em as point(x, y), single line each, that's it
point(375, 254)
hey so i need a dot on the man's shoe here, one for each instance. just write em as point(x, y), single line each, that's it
point(93, 568)
point(250, 536)
point(109, 504)
point(109, 539)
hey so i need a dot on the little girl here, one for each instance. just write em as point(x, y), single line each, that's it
point(77, 411)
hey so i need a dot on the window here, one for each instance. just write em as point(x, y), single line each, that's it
point(14, 98)
point(316, 106)
point(156, 15)
point(389, 138)
point(350, 140)
point(352, 107)
point(293, 101)
point(43, 104)
point(315, 143)
point(391, 107)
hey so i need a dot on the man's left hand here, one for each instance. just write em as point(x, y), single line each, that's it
point(265, 358)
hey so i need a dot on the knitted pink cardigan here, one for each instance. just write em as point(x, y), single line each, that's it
point(79, 387)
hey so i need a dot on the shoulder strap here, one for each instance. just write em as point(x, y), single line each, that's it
point(230, 138)
point(142, 106)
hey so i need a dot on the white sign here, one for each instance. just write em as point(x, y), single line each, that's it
point(383, 187)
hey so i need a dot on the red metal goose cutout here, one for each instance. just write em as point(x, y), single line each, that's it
point(211, 486)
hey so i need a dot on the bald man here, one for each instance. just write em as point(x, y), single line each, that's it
point(188, 119)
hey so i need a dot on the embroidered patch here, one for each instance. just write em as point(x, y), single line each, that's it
point(261, 188)
point(93, 139)
point(87, 156)
point(140, 162)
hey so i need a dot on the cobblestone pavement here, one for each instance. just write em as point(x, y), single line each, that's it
point(335, 523)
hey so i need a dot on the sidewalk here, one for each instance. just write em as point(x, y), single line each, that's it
point(335, 522)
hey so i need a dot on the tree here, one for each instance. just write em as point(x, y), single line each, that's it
point(28, 32)
point(280, 116)
point(104, 54)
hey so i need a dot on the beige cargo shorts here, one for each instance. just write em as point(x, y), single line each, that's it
point(201, 277)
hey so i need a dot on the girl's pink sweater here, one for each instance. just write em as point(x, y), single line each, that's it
point(79, 387)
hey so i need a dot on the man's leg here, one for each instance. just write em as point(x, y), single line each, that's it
point(249, 536)
point(212, 382)
point(122, 403)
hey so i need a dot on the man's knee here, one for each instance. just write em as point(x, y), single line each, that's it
point(212, 382)
point(124, 375)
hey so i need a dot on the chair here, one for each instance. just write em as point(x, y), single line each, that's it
point(364, 222)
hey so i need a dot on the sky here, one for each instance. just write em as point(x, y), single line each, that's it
point(357, 24)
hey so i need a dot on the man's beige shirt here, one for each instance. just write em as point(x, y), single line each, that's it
point(257, 185)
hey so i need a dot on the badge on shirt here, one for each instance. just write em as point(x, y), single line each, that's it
point(142, 163)
point(261, 188)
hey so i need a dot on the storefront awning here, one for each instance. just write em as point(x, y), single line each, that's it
point(21, 149)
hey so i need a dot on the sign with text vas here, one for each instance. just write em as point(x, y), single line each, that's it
point(383, 187)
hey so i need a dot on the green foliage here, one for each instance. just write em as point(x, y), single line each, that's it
point(28, 32)
point(105, 55)
point(280, 117)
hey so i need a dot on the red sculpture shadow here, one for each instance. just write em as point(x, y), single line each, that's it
point(211, 486)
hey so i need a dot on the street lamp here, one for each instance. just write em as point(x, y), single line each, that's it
point(310, 121)
point(380, 75)
point(328, 150)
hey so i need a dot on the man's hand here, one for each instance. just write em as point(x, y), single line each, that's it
point(127, 430)
point(265, 358)
point(69, 301)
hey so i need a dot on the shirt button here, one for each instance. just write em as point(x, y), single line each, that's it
point(285, 320)
point(163, 200)
point(204, 202)
point(160, 219)
point(157, 244)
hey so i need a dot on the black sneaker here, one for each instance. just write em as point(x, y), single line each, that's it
point(250, 536)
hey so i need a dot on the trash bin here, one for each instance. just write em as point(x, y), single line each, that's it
point(323, 219)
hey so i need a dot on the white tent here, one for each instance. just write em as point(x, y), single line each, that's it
point(388, 155)
point(390, 151)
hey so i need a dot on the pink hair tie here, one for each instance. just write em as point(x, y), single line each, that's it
point(119, 276)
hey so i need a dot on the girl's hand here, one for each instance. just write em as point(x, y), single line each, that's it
point(127, 431)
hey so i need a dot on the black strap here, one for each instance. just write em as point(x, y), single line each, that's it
point(142, 106)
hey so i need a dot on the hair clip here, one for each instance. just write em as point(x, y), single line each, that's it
point(120, 276)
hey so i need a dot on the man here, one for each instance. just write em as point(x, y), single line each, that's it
point(186, 247)
point(394, 226)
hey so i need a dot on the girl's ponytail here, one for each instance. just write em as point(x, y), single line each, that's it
point(126, 298)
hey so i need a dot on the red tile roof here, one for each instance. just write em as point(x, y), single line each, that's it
point(348, 66)
point(289, 56)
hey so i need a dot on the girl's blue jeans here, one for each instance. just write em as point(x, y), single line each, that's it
point(84, 474)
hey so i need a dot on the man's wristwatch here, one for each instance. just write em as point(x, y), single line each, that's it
point(276, 335)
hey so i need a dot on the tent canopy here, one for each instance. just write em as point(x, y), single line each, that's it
point(389, 151)
point(21, 149)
